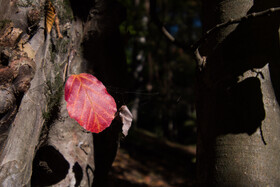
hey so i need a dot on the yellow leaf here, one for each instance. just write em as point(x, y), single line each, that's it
point(50, 16)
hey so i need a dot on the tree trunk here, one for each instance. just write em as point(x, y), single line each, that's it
point(40, 144)
point(238, 97)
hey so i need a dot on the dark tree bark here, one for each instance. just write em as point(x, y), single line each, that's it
point(238, 97)
point(40, 144)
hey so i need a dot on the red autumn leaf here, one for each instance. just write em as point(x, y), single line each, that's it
point(89, 103)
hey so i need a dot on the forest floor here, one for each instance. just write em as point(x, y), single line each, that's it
point(145, 160)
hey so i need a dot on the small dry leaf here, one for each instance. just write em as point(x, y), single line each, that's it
point(126, 118)
point(50, 16)
point(56, 21)
point(27, 48)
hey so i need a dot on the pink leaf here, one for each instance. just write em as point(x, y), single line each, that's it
point(89, 103)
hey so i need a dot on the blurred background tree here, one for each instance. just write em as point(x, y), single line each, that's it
point(161, 74)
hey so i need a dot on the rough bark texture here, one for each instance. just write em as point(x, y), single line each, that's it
point(237, 107)
point(38, 138)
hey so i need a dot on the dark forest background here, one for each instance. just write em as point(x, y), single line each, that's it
point(161, 75)
point(160, 147)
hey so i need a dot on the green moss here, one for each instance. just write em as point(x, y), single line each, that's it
point(68, 10)
point(53, 93)
point(63, 45)
point(52, 51)
point(65, 13)
point(24, 3)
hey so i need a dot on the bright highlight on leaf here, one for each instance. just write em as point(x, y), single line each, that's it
point(89, 103)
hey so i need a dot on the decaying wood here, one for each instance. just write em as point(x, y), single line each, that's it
point(24, 132)
point(40, 144)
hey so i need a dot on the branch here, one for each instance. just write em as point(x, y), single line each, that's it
point(163, 29)
point(266, 12)
point(201, 60)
